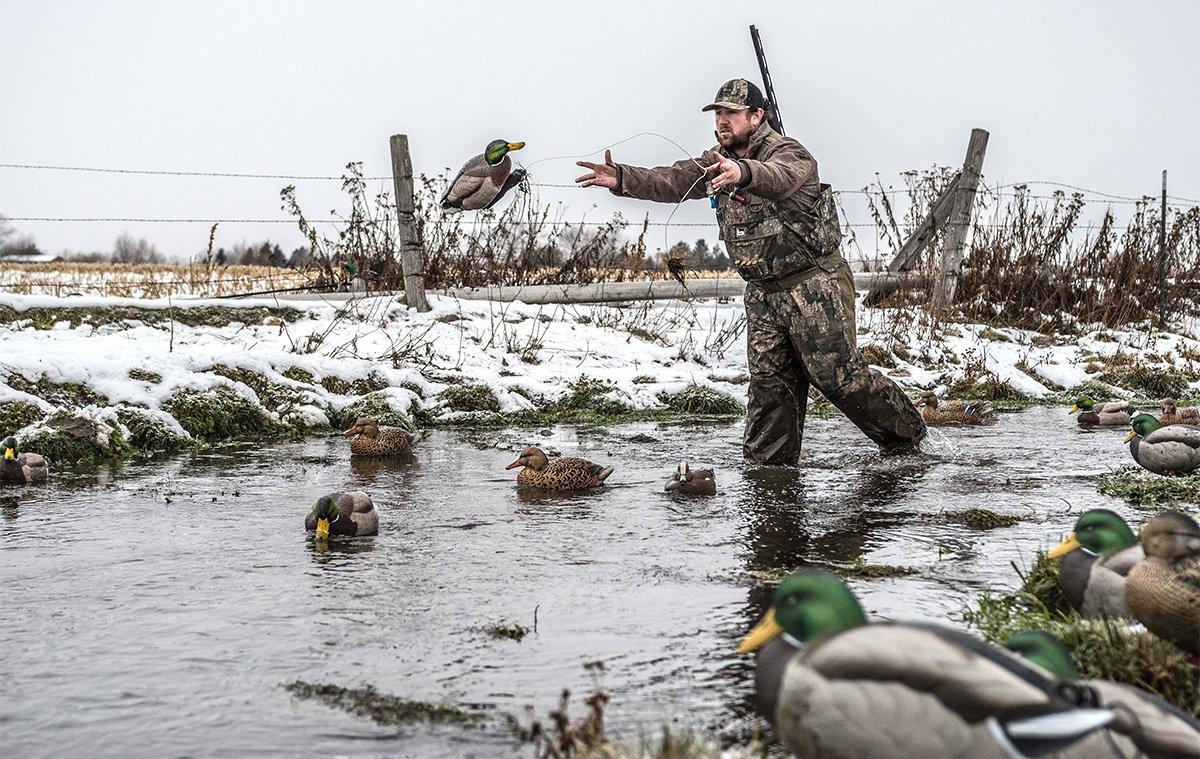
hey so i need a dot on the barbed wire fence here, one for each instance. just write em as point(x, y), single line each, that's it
point(1013, 189)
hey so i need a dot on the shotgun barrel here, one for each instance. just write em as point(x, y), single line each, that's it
point(773, 117)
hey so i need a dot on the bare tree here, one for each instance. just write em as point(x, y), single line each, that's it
point(126, 250)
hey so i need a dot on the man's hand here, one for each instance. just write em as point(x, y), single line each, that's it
point(728, 173)
point(601, 175)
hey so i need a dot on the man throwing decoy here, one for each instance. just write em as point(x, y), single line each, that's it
point(781, 228)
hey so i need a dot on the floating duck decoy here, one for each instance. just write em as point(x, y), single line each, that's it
point(347, 514)
point(1143, 724)
point(936, 412)
point(484, 179)
point(1094, 562)
point(834, 686)
point(1172, 414)
point(1163, 591)
point(370, 439)
point(1170, 450)
point(1111, 414)
point(21, 468)
point(692, 481)
point(563, 473)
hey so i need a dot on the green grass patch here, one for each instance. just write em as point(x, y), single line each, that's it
point(16, 415)
point(377, 406)
point(1103, 650)
point(1142, 488)
point(381, 707)
point(201, 316)
point(1094, 389)
point(218, 415)
point(148, 434)
point(142, 375)
point(58, 393)
point(296, 374)
point(476, 397)
point(1154, 382)
point(700, 399)
point(52, 440)
point(591, 395)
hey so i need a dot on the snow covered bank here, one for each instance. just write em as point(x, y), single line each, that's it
point(184, 370)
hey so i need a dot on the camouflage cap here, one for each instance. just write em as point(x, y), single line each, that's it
point(738, 94)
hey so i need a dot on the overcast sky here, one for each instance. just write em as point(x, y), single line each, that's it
point(1101, 95)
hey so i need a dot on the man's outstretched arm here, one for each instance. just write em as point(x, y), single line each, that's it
point(665, 184)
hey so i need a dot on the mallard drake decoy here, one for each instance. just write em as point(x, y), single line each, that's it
point(1172, 414)
point(938, 412)
point(348, 514)
point(21, 468)
point(1143, 724)
point(563, 473)
point(1094, 561)
point(1170, 450)
point(834, 686)
point(1163, 591)
point(1111, 414)
point(692, 481)
point(370, 439)
point(484, 179)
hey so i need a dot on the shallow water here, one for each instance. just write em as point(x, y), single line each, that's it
point(155, 609)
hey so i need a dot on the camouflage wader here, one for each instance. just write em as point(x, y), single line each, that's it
point(783, 235)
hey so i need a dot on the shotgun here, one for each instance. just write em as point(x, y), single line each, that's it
point(773, 117)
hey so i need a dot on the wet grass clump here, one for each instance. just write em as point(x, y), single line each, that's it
point(978, 519)
point(148, 434)
point(700, 399)
point(507, 630)
point(64, 448)
point(296, 374)
point(219, 414)
point(1098, 391)
point(1103, 649)
point(16, 415)
point(478, 397)
point(381, 707)
point(1146, 489)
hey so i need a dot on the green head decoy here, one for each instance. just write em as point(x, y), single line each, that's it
point(1143, 425)
point(1083, 403)
point(497, 149)
point(1097, 531)
point(1044, 650)
point(326, 511)
point(10, 447)
point(809, 604)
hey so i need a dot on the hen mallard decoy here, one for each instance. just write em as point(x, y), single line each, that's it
point(1111, 414)
point(834, 686)
point(484, 179)
point(1163, 591)
point(1142, 721)
point(692, 481)
point(21, 468)
point(1094, 561)
point(370, 439)
point(347, 514)
point(1170, 450)
point(563, 473)
point(938, 412)
point(1172, 414)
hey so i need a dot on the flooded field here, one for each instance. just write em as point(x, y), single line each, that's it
point(156, 609)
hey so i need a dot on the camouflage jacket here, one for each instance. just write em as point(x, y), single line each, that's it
point(789, 221)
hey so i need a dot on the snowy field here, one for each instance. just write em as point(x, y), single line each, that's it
point(524, 354)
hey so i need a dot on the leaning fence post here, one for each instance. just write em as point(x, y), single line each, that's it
point(412, 262)
point(959, 223)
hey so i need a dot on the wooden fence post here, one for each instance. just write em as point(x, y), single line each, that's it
point(412, 260)
point(959, 221)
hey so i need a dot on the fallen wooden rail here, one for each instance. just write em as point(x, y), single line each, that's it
point(609, 292)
